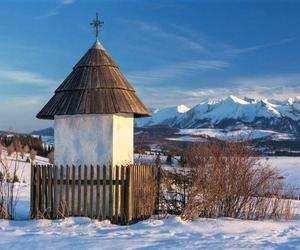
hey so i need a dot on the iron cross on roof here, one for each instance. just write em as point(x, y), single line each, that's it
point(96, 24)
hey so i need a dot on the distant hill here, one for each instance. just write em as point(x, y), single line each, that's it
point(44, 132)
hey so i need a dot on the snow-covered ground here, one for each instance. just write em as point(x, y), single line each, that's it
point(289, 167)
point(221, 134)
point(168, 233)
point(20, 163)
point(48, 139)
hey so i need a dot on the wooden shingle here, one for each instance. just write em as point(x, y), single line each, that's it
point(95, 86)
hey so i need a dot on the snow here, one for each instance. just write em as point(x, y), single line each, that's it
point(168, 233)
point(211, 112)
point(21, 164)
point(22, 192)
point(154, 233)
point(221, 134)
point(162, 116)
point(182, 108)
point(231, 108)
point(289, 167)
point(48, 139)
point(186, 138)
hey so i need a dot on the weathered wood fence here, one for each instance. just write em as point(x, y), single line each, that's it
point(121, 194)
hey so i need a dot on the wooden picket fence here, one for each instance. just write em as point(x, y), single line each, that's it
point(121, 194)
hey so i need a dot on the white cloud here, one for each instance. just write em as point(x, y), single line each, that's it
point(272, 80)
point(56, 10)
point(183, 41)
point(218, 56)
point(236, 51)
point(174, 71)
point(281, 87)
point(17, 76)
point(186, 38)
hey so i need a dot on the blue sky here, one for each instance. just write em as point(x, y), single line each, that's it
point(173, 52)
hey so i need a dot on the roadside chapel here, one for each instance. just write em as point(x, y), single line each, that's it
point(93, 112)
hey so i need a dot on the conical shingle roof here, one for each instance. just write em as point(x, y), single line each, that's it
point(95, 86)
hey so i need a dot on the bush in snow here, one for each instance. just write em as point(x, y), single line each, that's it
point(176, 186)
point(228, 180)
point(169, 159)
point(51, 157)
point(9, 165)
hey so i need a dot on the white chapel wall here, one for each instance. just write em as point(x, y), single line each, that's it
point(83, 139)
point(123, 127)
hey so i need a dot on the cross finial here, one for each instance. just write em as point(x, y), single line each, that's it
point(96, 24)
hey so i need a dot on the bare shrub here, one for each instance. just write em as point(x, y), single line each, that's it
point(228, 180)
point(26, 149)
point(51, 157)
point(63, 210)
point(33, 154)
point(169, 159)
point(10, 149)
point(176, 186)
point(9, 165)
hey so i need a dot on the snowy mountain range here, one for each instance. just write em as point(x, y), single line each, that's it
point(231, 113)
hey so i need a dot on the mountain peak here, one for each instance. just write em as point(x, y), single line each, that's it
point(236, 99)
point(291, 100)
point(182, 108)
point(163, 116)
point(231, 113)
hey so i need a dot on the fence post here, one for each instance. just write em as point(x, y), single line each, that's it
point(104, 193)
point(122, 200)
point(133, 191)
point(91, 191)
point(157, 200)
point(73, 191)
point(144, 206)
point(98, 193)
point(55, 171)
point(110, 193)
point(79, 192)
point(117, 195)
point(85, 192)
point(61, 204)
point(67, 189)
point(43, 189)
point(32, 191)
point(128, 200)
point(37, 199)
point(139, 193)
point(49, 207)
point(153, 188)
point(148, 178)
